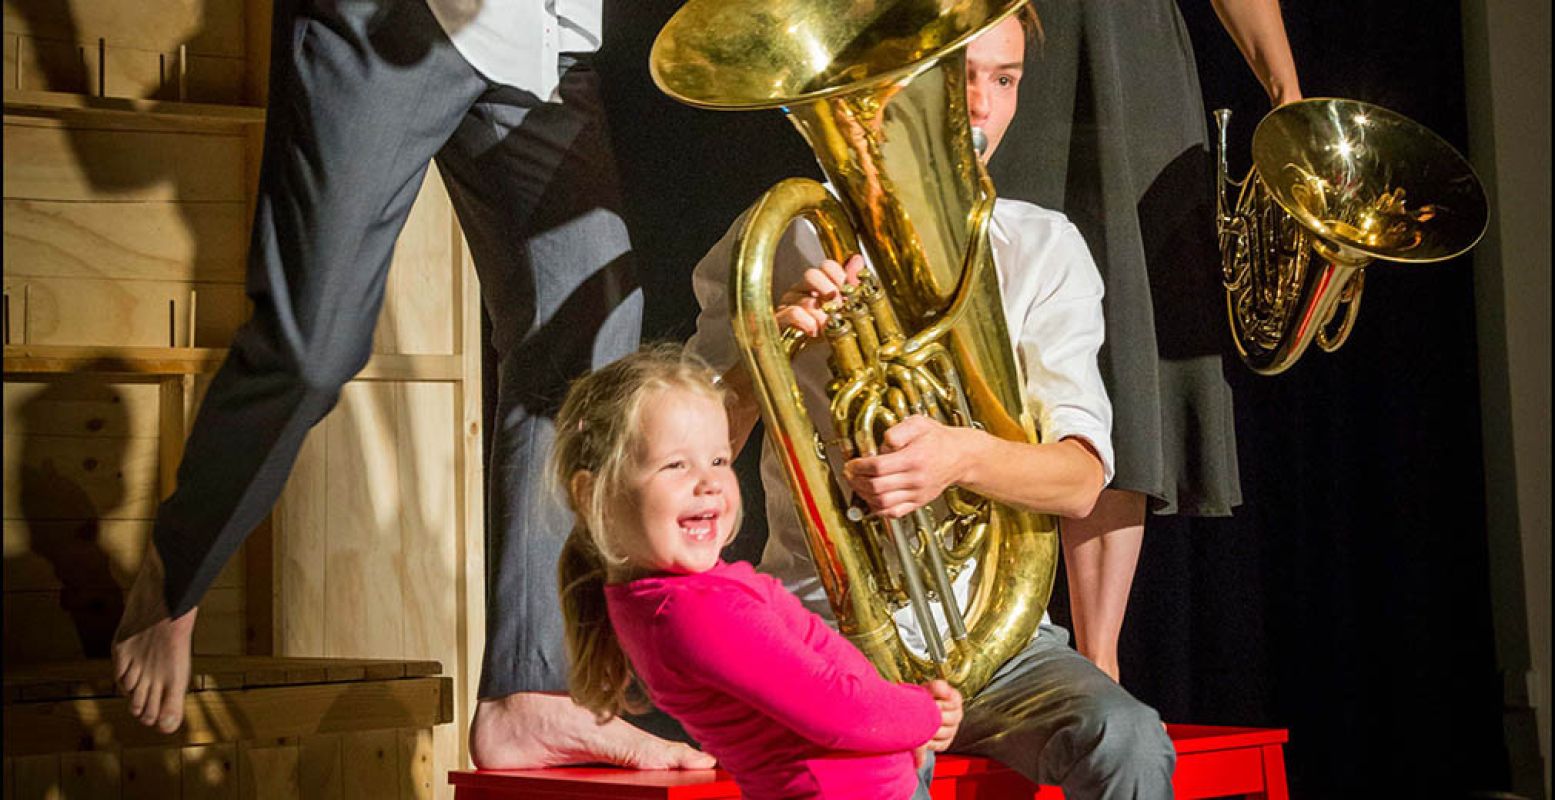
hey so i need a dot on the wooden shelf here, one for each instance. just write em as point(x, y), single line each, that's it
point(35, 360)
point(71, 106)
point(232, 698)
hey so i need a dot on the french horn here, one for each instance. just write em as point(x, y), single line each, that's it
point(1334, 185)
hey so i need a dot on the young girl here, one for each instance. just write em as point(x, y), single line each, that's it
point(784, 702)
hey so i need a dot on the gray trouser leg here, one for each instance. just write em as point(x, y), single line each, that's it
point(1051, 715)
point(362, 95)
point(534, 185)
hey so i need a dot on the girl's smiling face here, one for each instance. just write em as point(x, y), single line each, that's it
point(679, 500)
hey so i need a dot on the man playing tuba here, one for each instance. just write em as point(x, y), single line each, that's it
point(1047, 712)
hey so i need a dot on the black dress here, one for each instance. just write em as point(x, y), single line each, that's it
point(1111, 130)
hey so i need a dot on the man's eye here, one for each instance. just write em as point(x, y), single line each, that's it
point(720, 462)
point(1006, 81)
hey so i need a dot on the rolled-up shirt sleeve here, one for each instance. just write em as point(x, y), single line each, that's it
point(714, 341)
point(1060, 336)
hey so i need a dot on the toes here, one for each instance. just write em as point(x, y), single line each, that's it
point(692, 758)
point(172, 714)
point(139, 692)
point(153, 707)
point(129, 679)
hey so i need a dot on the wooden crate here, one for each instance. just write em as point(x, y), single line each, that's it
point(256, 727)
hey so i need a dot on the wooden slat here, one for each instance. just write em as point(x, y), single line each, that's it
point(419, 777)
point(301, 540)
point(41, 360)
point(210, 26)
point(132, 109)
point(38, 629)
point(94, 775)
point(210, 772)
point(74, 478)
point(179, 242)
point(37, 777)
point(372, 760)
point(152, 773)
point(321, 768)
point(362, 570)
point(96, 311)
point(229, 716)
point(470, 478)
point(52, 163)
point(38, 553)
point(269, 770)
point(84, 406)
point(417, 315)
point(79, 679)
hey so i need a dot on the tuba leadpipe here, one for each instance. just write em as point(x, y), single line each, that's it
point(878, 90)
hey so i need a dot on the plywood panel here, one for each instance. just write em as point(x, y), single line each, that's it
point(37, 778)
point(152, 773)
point(204, 26)
point(47, 162)
point(269, 770)
point(85, 406)
point(419, 776)
point(57, 66)
point(93, 554)
point(210, 772)
point(372, 761)
point(83, 311)
point(417, 314)
point(89, 775)
point(38, 626)
point(427, 436)
point(364, 601)
point(136, 241)
point(72, 477)
point(300, 525)
point(320, 768)
point(9, 71)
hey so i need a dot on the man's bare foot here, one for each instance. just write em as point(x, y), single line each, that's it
point(530, 730)
point(151, 651)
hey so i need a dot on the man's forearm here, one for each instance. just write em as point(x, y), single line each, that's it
point(1062, 477)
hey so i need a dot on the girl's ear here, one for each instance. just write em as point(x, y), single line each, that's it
point(580, 488)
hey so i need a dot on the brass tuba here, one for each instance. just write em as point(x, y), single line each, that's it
point(1334, 184)
point(878, 89)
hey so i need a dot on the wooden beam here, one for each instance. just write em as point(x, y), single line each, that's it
point(130, 110)
point(231, 715)
point(41, 360)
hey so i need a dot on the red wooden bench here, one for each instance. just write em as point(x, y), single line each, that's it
point(1212, 761)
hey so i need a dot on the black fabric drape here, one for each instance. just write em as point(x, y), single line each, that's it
point(1348, 598)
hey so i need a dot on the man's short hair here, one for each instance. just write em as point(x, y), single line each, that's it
point(1030, 23)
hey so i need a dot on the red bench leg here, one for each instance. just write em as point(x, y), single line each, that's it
point(1274, 773)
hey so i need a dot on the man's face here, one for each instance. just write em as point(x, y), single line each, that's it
point(994, 63)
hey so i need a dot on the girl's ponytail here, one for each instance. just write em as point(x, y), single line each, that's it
point(599, 677)
point(595, 431)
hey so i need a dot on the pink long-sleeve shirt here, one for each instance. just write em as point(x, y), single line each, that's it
point(786, 704)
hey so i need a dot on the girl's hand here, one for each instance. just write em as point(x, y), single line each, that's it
point(949, 701)
point(800, 306)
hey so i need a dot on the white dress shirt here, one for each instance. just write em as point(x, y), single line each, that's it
point(517, 42)
point(1052, 303)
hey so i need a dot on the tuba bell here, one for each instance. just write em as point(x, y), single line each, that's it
point(878, 90)
point(1335, 184)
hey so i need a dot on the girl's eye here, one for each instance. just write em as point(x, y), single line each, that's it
point(675, 465)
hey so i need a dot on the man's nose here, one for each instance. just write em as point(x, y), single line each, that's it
point(976, 103)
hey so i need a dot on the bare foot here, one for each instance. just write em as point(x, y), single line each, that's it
point(530, 730)
point(151, 651)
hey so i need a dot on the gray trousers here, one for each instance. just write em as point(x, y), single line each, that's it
point(1052, 716)
point(364, 94)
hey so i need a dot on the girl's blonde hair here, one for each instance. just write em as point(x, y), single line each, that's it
point(596, 433)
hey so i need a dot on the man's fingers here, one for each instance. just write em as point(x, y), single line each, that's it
point(907, 431)
point(853, 266)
